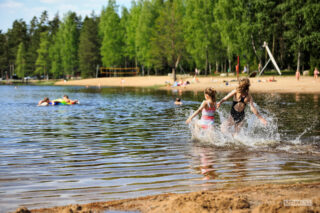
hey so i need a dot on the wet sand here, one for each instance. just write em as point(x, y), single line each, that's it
point(282, 84)
point(260, 198)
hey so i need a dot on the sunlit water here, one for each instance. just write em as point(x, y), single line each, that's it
point(122, 143)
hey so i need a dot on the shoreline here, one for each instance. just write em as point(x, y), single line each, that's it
point(282, 84)
point(294, 197)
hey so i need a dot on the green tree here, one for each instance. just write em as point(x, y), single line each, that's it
point(264, 23)
point(168, 38)
point(199, 32)
point(293, 17)
point(33, 45)
point(69, 39)
point(144, 34)
point(55, 55)
point(43, 21)
point(21, 61)
point(228, 16)
point(3, 54)
point(42, 62)
point(53, 25)
point(131, 29)
point(110, 32)
point(16, 36)
point(311, 14)
point(89, 47)
point(55, 38)
point(123, 23)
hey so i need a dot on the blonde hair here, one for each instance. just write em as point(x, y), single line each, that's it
point(244, 85)
point(211, 92)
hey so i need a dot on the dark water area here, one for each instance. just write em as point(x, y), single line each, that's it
point(124, 142)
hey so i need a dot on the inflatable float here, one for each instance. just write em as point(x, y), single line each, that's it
point(63, 102)
point(59, 102)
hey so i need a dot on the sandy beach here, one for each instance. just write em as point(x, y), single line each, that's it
point(282, 84)
point(295, 197)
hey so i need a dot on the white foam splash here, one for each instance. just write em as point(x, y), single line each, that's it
point(252, 133)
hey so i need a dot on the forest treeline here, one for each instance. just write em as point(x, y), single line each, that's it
point(164, 36)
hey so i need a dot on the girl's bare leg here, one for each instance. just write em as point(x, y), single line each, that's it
point(225, 126)
point(237, 127)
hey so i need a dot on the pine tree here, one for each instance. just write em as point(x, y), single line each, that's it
point(33, 45)
point(16, 35)
point(89, 47)
point(54, 25)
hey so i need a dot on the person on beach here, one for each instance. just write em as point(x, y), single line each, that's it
point(298, 75)
point(208, 109)
point(44, 102)
point(259, 68)
point(241, 98)
point(315, 73)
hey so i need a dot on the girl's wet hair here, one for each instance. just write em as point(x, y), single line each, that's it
point(244, 85)
point(211, 92)
point(46, 99)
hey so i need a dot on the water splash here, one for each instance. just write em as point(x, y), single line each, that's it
point(297, 140)
point(253, 135)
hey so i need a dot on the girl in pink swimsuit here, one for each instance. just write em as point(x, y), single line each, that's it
point(208, 108)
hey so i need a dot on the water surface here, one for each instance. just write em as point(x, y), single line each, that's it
point(122, 143)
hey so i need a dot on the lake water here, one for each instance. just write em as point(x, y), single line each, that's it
point(122, 143)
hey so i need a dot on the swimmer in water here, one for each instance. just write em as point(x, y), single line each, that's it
point(44, 102)
point(68, 101)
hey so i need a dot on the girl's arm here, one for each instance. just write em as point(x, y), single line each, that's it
point(232, 93)
point(255, 111)
point(196, 112)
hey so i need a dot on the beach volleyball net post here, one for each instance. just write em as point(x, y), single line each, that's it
point(116, 72)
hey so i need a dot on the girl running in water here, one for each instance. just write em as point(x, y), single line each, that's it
point(208, 108)
point(241, 98)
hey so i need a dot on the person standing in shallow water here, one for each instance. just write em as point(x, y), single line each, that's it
point(241, 98)
point(208, 109)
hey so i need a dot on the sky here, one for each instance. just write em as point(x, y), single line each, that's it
point(11, 10)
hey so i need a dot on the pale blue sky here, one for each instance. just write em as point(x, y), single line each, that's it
point(11, 10)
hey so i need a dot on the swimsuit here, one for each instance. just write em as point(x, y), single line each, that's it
point(207, 118)
point(237, 116)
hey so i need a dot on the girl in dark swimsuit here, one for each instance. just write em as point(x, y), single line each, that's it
point(241, 98)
